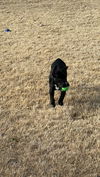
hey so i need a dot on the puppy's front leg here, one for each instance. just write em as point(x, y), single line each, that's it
point(52, 101)
point(60, 102)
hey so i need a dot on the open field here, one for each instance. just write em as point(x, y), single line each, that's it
point(35, 139)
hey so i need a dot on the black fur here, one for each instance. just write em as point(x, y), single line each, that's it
point(58, 79)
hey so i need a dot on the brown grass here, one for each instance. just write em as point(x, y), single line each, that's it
point(36, 140)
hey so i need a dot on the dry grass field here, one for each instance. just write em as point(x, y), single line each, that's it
point(35, 139)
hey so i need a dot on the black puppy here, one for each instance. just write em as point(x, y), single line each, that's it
point(57, 80)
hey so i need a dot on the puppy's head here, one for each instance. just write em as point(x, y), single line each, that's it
point(60, 78)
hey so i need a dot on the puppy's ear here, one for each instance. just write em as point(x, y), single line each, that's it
point(54, 72)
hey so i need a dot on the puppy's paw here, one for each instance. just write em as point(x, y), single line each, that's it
point(60, 103)
point(52, 104)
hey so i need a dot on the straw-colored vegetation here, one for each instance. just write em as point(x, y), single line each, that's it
point(35, 139)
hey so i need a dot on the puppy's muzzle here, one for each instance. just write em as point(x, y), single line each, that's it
point(65, 84)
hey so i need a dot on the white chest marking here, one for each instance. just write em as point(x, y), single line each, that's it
point(56, 87)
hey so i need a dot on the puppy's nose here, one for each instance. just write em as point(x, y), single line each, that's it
point(65, 84)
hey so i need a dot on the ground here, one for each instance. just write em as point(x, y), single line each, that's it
point(35, 139)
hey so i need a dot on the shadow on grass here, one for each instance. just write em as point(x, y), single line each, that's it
point(84, 102)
